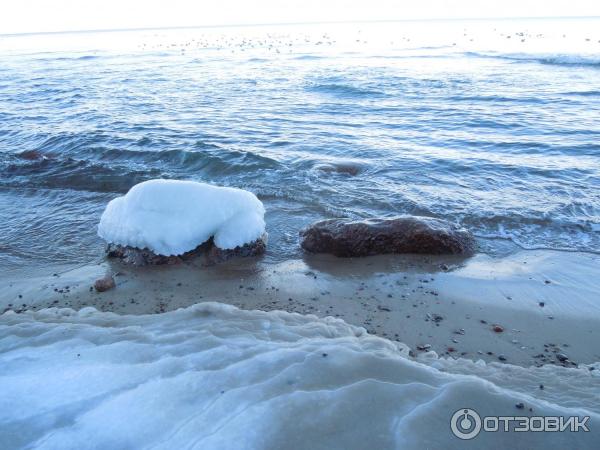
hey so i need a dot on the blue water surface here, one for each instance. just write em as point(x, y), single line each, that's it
point(492, 125)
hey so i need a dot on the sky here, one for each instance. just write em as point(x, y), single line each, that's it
point(26, 16)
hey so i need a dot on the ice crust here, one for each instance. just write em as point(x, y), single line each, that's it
point(212, 376)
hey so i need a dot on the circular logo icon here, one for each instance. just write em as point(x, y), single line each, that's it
point(465, 424)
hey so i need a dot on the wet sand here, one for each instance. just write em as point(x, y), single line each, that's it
point(530, 308)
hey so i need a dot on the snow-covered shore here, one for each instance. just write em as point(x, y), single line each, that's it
point(216, 377)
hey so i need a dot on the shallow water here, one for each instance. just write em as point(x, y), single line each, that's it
point(448, 119)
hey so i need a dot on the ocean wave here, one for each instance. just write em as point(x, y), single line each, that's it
point(545, 58)
point(214, 376)
point(539, 233)
point(69, 58)
point(499, 99)
point(52, 172)
point(86, 57)
point(102, 169)
point(309, 57)
point(345, 90)
point(207, 158)
point(594, 93)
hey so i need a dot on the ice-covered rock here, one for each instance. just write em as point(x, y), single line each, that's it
point(216, 377)
point(170, 217)
point(405, 234)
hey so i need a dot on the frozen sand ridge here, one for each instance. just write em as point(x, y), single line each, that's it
point(172, 217)
point(215, 377)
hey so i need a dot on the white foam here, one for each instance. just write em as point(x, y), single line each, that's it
point(215, 377)
point(172, 217)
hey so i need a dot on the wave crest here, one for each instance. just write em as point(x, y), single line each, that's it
point(545, 58)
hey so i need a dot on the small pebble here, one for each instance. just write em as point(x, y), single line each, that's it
point(104, 284)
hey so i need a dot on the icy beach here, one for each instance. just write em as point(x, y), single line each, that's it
point(215, 377)
point(482, 133)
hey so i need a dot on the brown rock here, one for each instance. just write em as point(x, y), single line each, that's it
point(345, 168)
point(139, 257)
point(216, 255)
point(405, 234)
point(104, 284)
point(497, 328)
point(208, 252)
point(31, 155)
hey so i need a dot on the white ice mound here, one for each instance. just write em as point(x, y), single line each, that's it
point(172, 217)
point(216, 377)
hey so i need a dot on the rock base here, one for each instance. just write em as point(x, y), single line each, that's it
point(207, 252)
point(406, 234)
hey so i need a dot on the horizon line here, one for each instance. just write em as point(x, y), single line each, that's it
point(240, 25)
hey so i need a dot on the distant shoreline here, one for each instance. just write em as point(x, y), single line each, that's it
point(286, 24)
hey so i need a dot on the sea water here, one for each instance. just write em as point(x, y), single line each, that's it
point(494, 125)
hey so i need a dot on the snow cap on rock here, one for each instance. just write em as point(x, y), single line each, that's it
point(171, 217)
